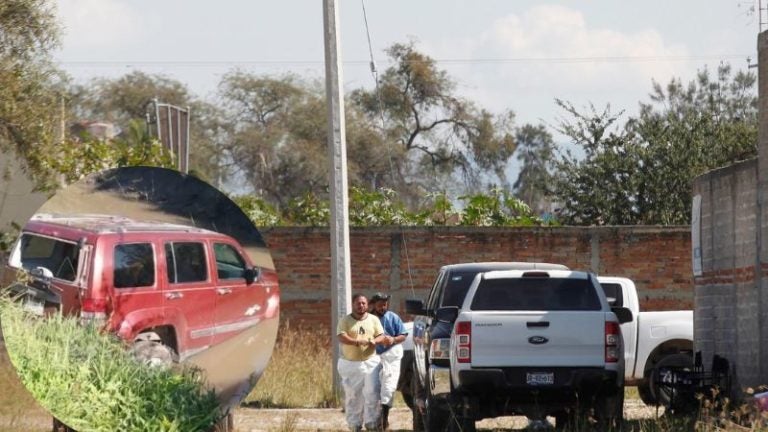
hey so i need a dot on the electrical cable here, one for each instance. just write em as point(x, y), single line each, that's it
point(380, 101)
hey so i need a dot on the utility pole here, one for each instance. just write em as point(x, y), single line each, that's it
point(337, 155)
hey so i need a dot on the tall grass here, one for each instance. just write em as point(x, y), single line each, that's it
point(299, 375)
point(89, 381)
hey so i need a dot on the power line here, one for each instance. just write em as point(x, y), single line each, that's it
point(445, 61)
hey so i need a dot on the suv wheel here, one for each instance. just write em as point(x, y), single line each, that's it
point(154, 353)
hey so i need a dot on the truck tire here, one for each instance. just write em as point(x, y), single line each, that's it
point(406, 379)
point(418, 417)
point(664, 395)
point(644, 390)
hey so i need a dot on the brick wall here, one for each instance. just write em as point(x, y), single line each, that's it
point(404, 261)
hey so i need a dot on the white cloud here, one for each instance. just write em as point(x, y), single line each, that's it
point(551, 51)
point(96, 24)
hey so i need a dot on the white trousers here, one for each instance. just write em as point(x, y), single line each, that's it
point(361, 384)
point(389, 373)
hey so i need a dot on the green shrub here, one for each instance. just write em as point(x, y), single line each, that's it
point(89, 381)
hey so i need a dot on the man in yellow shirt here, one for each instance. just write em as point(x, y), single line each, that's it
point(359, 333)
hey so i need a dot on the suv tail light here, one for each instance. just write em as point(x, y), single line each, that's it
point(612, 339)
point(93, 311)
point(464, 341)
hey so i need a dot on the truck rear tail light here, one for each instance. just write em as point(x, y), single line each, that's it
point(464, 341)
point(93, 311)
point(440, 349)
point(612, 342)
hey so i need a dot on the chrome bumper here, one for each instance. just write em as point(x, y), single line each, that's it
point(439, 379)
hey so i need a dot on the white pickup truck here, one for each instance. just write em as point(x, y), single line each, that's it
point(536, 342)
point(652, 340)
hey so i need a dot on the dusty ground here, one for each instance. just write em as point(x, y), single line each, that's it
point(257, 420)
point(271, 420)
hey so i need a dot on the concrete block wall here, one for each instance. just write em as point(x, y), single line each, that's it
point(405, 261)
point(726, 294)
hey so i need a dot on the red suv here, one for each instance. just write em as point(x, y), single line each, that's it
point(175, 287)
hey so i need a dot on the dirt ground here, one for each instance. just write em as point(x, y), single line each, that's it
point(271, 420)
point(258, 420)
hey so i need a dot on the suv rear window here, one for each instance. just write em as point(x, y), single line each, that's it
point(134, 265)
point(551, 294)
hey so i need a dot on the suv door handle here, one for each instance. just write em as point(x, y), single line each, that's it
point(224, 291)
point(530, 324)
point(174, 295)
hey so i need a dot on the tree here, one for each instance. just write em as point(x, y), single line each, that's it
point(29, 85)
point(536, 154)
point(276, 135)
point(440, 134)
point(600, 188)
point(278, 138)
point(641, 172)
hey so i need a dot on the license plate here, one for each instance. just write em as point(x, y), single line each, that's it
point(540, 378)
point(33, 305)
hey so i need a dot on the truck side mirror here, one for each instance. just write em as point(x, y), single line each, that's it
point(415, 307)
point(251, 274)
point(447, 314)
point(623, 314)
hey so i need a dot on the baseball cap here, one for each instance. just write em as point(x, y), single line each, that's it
point(379, 296)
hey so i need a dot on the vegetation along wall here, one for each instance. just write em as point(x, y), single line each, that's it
point(405, 261)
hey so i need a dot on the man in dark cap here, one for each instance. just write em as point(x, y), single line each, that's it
point(390, 351)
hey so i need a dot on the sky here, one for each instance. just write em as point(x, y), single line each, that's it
point(517, 55)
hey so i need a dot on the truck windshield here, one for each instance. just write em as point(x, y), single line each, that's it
point(548, 294)
point(58, 256)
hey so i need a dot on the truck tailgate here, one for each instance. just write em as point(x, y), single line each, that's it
point(556, 338)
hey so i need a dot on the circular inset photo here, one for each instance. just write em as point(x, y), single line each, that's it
point(140, 295)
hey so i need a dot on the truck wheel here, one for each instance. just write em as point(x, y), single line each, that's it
point(406, 379)
point(644, 390)
point(418, 418)
point(667, 395)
